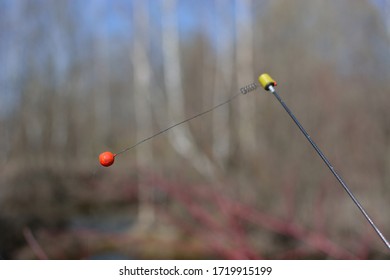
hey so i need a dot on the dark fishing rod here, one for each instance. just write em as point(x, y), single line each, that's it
point(269, 84)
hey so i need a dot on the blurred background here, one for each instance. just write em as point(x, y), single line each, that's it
point(81, 77)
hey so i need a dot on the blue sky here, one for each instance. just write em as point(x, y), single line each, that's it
point(105, 19)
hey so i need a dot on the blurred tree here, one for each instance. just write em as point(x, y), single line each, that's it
point(181, 138)
point(143, 105)
point(223, 86)
point(246, 128)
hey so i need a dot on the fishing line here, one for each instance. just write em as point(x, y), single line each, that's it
point(179, 123)
point(107, 158)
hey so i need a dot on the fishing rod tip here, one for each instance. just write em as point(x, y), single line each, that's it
point(266, 81)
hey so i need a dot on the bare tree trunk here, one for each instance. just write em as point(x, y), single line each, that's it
point(102, 94)
point(64, 98)
point(223, 85)
point(181, 137)
point(143, 108)
point(245, 75)
point(10, 71)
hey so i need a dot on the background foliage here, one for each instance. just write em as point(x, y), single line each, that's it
point(81, 77)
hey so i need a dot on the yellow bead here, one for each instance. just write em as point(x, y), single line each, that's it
point(266, 81)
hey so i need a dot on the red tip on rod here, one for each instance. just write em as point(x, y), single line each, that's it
point(107, 158)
